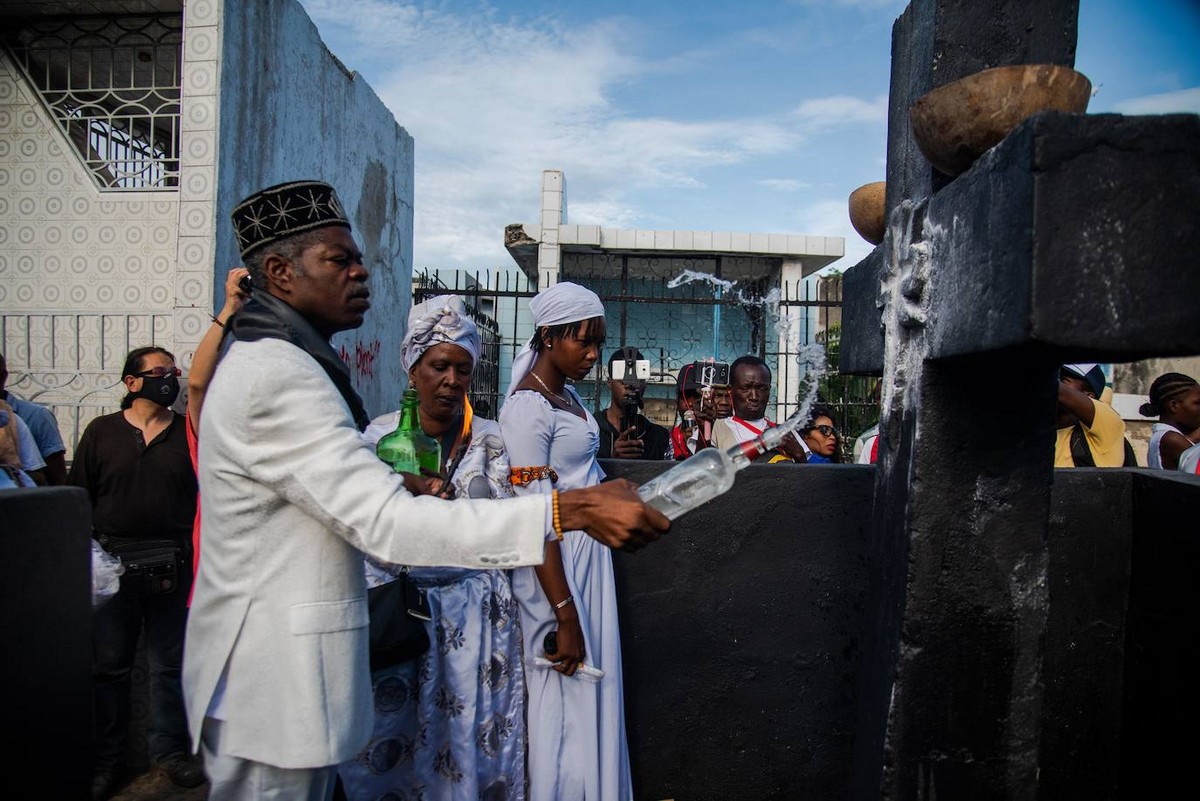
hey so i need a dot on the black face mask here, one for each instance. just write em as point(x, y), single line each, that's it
point(162, 391)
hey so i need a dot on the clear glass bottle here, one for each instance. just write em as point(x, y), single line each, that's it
point(408, 449)
point(704, 475)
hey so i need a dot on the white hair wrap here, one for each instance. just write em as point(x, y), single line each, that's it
point(562, 303)
point(441, 319)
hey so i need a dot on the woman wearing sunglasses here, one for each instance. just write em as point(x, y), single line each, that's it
point(821, 437)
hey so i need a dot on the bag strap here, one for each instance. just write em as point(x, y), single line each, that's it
point(1130, 456)
point(1081, 454)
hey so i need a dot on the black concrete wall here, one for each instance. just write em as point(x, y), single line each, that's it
point(46, 629)
point(1161, 698)
point(740, 634)
point(1121, 699)
point(1090, 543)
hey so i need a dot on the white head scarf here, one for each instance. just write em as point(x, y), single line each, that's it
point(441, 319)
point(562, 303)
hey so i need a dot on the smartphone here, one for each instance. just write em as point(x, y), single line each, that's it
point(245, 284)
point(641, 371)
point(711, 374)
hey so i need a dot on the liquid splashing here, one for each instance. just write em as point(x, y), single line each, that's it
point(811, 361)
point(808, 360)
point(692, 276)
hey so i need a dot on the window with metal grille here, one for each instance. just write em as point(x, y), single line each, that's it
point(113, 85)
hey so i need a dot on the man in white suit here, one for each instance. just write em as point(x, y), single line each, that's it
point(276, 673)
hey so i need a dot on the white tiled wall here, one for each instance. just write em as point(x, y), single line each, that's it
point(86, 275)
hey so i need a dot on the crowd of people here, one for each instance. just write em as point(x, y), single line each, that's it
point(270, 517)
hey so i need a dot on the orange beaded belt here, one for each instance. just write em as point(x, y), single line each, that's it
point(521, 476)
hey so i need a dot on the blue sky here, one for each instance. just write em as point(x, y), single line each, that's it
point(749, 116)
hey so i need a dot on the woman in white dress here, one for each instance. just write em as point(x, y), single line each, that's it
point(576, 717)
point(1175, 399)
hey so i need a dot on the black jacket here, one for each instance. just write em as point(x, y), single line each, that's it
point(656, 440)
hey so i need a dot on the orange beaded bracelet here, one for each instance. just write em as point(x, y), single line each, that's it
point(558, 529)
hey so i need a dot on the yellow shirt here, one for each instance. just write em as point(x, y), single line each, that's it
point(1106, 438)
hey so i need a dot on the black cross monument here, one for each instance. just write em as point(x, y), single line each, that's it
point(1074, 239)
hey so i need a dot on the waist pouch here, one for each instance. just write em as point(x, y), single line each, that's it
point(152, 567)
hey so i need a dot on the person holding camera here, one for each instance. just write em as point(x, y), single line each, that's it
point(204, 365)
point(624, 432)
point(701, 398)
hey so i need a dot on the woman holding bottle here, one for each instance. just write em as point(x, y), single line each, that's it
point(451, 723)
point(577, 747)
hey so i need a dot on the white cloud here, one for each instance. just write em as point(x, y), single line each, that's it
point(492, 101)
point(841, 110)
point(783, 184)
point(610, 212)
point(1183, 101)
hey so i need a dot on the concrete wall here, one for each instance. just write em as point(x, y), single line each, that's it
point(741, 634)
point(46, 628)
point(290, 110)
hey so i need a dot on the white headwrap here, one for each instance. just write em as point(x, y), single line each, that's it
point(562, 303)
point(441, 319)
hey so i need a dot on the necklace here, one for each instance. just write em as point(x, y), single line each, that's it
point(568, 401)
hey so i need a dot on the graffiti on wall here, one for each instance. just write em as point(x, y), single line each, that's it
point(362, 364)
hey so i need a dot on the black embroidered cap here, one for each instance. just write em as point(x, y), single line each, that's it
point(283, 210)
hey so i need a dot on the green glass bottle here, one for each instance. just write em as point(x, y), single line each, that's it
point(409, 448)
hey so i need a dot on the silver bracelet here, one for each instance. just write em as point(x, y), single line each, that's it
point(570, 599)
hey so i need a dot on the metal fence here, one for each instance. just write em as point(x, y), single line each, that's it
point(112, 83)
point(71, 362)
point(674, 321)
point(485, 383)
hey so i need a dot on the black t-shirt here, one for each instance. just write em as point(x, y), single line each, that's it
point(137, 490)
point(656, 440)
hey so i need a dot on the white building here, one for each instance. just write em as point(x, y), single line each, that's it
point(660, 287)
point(128, 131)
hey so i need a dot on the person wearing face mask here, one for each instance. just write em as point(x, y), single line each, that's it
point(135, 467)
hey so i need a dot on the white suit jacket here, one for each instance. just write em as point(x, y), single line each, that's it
point(290, 497)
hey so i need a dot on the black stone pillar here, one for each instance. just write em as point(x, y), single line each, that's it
point(46, 628)
point(1071, 240)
